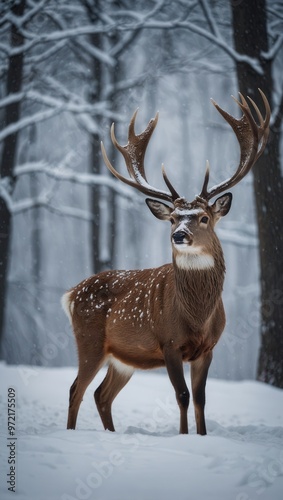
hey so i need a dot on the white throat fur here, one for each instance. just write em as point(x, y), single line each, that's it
point(193, 258)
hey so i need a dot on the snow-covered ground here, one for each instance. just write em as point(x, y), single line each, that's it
point(241, 458)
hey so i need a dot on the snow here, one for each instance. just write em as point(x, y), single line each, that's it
point(241, 458)
point(192, 211)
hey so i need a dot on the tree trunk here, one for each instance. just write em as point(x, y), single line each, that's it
point(100, 260)
point(11, 115)
point(97, 69)
point(103, 199)
point(250, 37)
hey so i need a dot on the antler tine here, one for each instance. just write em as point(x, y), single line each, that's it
point(252, 139)
point(134, 153)
point(204, 193)
point(264, 128)
point(173, 192)
point(140, 142)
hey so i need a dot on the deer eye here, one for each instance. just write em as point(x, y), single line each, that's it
point(204, 219)
point(172, 220)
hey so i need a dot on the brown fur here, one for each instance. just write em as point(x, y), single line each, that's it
point(147, 319)
point(135, 308)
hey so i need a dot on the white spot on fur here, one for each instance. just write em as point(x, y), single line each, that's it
point(121, 367)
point(183, 226)
point(68, 305)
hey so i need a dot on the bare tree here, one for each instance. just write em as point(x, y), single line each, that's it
point(14, 78)
point(251, 38)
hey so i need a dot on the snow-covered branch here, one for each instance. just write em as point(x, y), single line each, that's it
point(34, 40)
point(46, 54)
point(61, 173)
point(64, 174)
point(57, 105)
point(29, 14)
point(12, 98)
point(125, 41)
point(134, 21)
point(278, 115)
point(210, 19)
point(41, 201)
point(26, 121)
point(194, 28)
point(273, 51)
point(72, 107)
point(125, 85)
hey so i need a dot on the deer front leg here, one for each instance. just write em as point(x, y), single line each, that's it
point(199, 371)
point(174, 364)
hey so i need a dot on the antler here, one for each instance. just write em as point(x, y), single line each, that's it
point(134, 153)
point(251, 137)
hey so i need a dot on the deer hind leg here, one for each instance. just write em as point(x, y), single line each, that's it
point(89, 366)
point(199, 371)
point(116, 378)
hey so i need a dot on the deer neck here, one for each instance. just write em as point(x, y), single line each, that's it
point(199, 282)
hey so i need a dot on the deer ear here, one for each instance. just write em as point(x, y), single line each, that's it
point(222, 205)
point(159, 209)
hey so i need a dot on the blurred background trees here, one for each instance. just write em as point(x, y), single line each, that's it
point(68, 69)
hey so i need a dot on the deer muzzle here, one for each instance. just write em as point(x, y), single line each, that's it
point(181, 237)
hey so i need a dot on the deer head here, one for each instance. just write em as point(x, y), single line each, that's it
point(192, 222)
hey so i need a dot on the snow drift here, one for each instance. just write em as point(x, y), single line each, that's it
point(241, 458)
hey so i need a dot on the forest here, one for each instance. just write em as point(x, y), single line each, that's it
point(68, 69)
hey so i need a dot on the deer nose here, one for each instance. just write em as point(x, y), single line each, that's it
point(179, 237)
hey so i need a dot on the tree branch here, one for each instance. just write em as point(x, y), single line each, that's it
point(273, 51)
point(64, 174)
point(278, 118)
point(56, 36)
point(25, 122)
point(216, 39)
point(210, 19)
point(87, 111)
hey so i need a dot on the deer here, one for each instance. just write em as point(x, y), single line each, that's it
point(172, 314)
